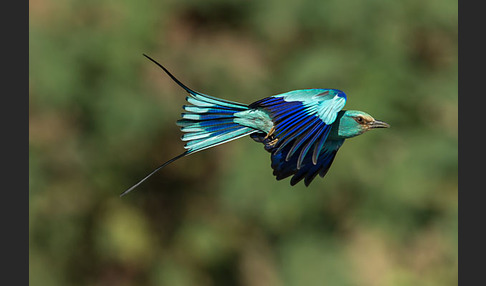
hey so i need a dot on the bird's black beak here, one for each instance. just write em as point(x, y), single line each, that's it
point(379, 124)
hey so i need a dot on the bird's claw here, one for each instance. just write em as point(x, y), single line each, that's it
point(272, 143)
point(270, 132)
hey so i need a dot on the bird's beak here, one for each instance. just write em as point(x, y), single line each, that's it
point(379, 124)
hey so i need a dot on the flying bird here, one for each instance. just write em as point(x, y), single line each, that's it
point(302, 129)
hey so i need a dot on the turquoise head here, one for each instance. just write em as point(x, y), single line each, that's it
point(351, 123)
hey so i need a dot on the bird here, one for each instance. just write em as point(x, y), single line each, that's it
point(301, 129)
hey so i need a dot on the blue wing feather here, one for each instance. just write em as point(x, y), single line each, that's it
point(318, 126)
point(308, 170)
point(302, 122)
point(294, 131)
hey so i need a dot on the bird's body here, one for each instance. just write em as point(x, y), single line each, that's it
point(302, 129)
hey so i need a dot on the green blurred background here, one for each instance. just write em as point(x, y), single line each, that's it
point(102, 116)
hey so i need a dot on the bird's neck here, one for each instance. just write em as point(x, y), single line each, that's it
point(343, 127)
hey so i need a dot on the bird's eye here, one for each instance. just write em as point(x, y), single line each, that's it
point(359, 119)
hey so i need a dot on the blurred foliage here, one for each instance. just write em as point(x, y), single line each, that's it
point(102, 116)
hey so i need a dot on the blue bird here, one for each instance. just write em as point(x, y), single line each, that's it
point(302, 129)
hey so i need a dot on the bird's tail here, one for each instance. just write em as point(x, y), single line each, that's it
point(210, 121)
point(207, 122)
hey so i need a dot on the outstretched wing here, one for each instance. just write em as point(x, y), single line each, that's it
point(302, 121)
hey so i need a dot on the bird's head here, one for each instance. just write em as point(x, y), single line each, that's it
point(350, 123)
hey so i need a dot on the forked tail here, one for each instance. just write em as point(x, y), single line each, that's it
point(207, 122)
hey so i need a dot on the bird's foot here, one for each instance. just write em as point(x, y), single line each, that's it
point(272, 143)
point(270, 132)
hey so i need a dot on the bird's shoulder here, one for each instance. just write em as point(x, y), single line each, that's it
point(321, 102)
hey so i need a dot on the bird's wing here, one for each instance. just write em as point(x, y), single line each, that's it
point(302, 121)
point(308, 170)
